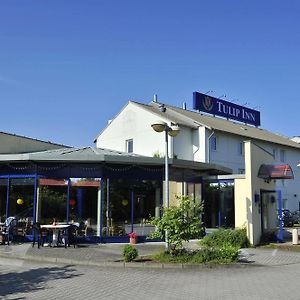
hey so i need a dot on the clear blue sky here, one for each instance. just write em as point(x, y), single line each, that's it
point(66, 67)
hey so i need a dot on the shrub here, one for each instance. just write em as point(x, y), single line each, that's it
point(182, 222)
point(225, 254)
point(224, 237)
point(129, 253)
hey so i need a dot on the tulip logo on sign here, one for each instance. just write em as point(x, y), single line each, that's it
point(207, 103)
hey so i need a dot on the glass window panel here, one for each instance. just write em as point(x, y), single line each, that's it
point(3, 198)
point(213, 143)
point(21, 198)
point(84, 202)
point(129, 146)
point(125, 212)
point(53, 200)
point(241, 148)
point(282, 155)
point(219, 205)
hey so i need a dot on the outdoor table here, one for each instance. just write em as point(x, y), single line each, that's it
point(55, 229)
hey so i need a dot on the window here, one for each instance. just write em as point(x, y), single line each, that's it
point(129, 146)
point(282, 155)
point(241, 148)
point(213, 143)
point(275, 153)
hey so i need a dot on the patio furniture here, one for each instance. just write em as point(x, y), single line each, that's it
point(65, 234)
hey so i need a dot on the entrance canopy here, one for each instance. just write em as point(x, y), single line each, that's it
point(275, 171)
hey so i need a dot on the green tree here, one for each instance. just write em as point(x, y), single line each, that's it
point(181, 223)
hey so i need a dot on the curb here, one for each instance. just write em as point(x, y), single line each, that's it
point(128, 265)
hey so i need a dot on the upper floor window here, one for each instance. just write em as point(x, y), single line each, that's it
point(213, 143)
point(129, 146)
point(241, 148)
point(282, 155)
point(274, 153)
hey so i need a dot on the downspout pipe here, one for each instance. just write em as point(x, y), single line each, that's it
point(208, 145)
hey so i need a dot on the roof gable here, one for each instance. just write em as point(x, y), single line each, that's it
point(194, 119)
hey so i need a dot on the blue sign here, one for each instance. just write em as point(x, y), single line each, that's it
point(225, 109)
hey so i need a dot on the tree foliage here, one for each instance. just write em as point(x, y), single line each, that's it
point(181, 223)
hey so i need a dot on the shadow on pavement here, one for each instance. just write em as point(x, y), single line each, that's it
point(32, 280)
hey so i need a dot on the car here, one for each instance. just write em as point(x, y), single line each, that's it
point(287, 218)
point(296, 216)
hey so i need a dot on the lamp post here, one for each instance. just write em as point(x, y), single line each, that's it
point(172, 131)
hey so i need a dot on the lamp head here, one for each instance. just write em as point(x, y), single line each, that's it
point(159, 126)
point(174, 130)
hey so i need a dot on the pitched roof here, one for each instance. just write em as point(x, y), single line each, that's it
point(194, 119)
point(86, 154)
point(30, 139)
point(99, 155)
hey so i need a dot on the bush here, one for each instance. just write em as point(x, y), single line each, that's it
point(182, 223)
point(129, 253)
point(226, 254)
point(224, 237)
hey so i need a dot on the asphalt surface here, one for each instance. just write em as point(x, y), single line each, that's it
point(264, 274)
point(269, 274)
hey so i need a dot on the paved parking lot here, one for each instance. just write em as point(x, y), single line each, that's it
point(30, 280)
point(98, 272)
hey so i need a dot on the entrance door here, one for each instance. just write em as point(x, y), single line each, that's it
point(268, 210)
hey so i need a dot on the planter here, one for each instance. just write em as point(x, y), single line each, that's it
point(133, 240)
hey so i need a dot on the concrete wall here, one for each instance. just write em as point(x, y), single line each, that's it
point(247, 210)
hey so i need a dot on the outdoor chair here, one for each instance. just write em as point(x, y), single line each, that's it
point(36, 234)
point(8, 230)
point(72, 233)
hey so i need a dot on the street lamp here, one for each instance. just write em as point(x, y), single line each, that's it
point(172, 131)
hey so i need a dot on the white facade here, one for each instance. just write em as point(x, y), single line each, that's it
point(200, 141)
point(133, 123)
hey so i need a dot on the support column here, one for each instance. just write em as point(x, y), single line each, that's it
point(107, 208)
point(280, 233)
point(99, 210)
point(132, 210)
point(38, 204)
point(184, 188)
point(68, 200)
point(7, 196)
point(157, 202)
